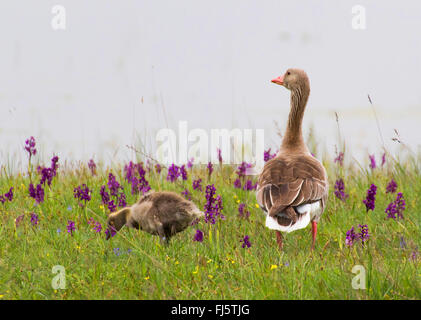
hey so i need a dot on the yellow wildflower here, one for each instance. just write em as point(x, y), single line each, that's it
point(273, 266)
point(196, 270)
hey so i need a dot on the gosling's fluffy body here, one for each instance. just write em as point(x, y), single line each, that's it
point(158, 213)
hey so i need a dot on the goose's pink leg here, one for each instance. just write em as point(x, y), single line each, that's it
point(279, 239)
point(314, 232)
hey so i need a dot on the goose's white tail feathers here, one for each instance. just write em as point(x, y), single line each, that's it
point(307, 212)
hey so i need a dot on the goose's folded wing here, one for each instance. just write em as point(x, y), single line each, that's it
point(285, 182)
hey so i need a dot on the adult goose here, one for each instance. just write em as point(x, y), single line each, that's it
point(158, 213)
point(293, 187)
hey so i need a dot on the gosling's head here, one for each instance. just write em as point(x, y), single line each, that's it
point(293, 79)
point(116, 221)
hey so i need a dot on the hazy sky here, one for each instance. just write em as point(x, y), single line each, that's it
point(124, 69)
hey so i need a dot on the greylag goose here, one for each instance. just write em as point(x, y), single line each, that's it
point(293, 187)
point(158, 213)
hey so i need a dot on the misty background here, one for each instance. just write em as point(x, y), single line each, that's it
point(122, 70)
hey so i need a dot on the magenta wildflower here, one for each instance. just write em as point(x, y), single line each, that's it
point(104, 195)
point(110, 232)
point(71, 227)
point(363, 235)
point(218, 207)
point(372, 161)
point(158, 168)
point(97, 227)
point(143, 185)
point(267, 155)
point(219, 155)
point(122, 200)
point(30, 146)
point(371, 198)
point(19, 219)
point(54, 165)
point(82, 193)
point(92, 166)
point(186, 194)
point(237, 183)
point(198, 236)
point(183, 172)
point(197, 184)
point(241, 170)
point(351, 237)
point(396, 208)
point(249, 185)
point(190, 163)
point(111, 206)
point(173, 173)
point(340, 190)
point(7, 196)
point(34, 219)
point(339, 159)
point(242, 211)
point(414, 255)
point(116, 191)
point(391, 186)
point(106, 199)
point(213, 206)
point(47, 174)
point(129, 170)
point(139, 184)
point(36, 193)
point(210, 168)
point(113, 185)
point(246, 242)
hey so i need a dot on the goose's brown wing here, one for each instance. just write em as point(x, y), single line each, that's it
point(293, 181)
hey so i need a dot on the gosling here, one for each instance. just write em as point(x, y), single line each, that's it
point(158, 213)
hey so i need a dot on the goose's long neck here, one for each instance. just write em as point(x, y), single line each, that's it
point(293, 136)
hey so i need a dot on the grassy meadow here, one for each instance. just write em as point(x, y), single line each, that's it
point(136, 265)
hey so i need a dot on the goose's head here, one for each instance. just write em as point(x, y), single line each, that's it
point(116, 221)
point(293, 79)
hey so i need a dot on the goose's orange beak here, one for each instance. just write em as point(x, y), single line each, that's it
point(279, 80)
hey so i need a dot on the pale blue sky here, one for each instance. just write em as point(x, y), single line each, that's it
point(79, 91)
